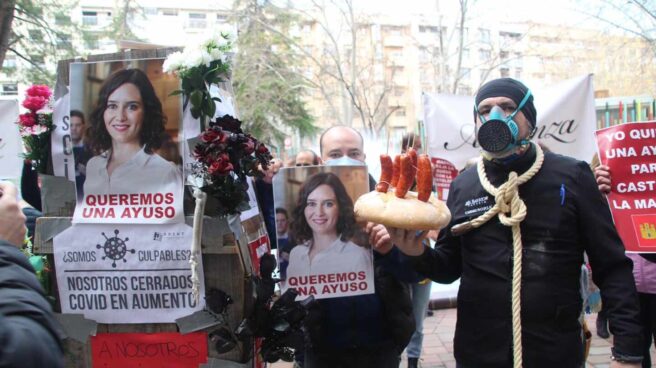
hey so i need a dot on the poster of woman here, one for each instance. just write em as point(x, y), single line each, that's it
point(134, 173)
point(327, 254)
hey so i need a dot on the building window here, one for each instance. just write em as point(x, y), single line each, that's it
point(10, 61)
point(10, 89)
point(424, 55)
point(484, 55)
point(503, 55)
point(505, 72)
point(89, 18)
point(221, 17)
point(484, 35)
point(150, 11)
point(35, 35)
point(400, 112)
point(518, 73)
point(428, 29)
point(91, 42)
point(63, 41)
point(170, 12)
point(62, 19)
point(197, 20)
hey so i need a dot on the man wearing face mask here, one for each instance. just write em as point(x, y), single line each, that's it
point(364, 331)
point(520, 224)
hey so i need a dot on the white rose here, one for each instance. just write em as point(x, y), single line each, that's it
point(173, 62)
point(216, 54)
point(193, 57)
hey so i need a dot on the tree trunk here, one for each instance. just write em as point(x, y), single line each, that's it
point(6, 19)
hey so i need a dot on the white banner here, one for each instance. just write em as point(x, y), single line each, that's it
point(126, 273)
point(10, 141)
point(565, 122)
point(60, 139)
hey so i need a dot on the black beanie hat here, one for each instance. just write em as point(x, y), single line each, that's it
point(511, 88)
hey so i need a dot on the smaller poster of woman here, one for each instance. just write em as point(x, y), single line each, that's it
point(326, 254)
point(131, 135)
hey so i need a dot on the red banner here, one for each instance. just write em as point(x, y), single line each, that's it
point(258, 248)
point(630, 152)
point(158, 350)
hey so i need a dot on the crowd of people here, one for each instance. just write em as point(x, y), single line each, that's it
point(517, 250)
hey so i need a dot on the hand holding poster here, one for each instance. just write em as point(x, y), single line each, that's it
point(126, 273)
point(630, 152)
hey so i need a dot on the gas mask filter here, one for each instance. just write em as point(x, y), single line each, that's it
point(499, 134)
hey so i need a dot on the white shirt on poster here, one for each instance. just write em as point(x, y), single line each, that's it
point(143, 173)
point(343, 269)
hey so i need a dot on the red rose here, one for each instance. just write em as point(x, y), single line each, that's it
point(262, 149)
point(209, 136)
point(27, 120)
point(249, 146)
point(39, 90)
point(222, 165)
point(34, 103)
point(222, 137)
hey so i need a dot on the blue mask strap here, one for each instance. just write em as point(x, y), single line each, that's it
point(521, 104)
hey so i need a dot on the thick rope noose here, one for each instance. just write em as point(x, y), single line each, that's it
point(511, 211)
point(195, 241)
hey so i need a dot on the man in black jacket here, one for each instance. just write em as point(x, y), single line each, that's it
point(28, 336)
point(560, 213)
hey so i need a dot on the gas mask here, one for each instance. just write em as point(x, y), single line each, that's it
point(499, 134)
point(344, 161)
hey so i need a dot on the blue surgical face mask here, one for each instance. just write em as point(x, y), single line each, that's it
point(499, 134)
point(344, 161)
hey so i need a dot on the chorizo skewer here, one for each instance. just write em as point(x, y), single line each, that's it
point(396, 171)
point(386, 170)
point(406, 176)
point(424, 178)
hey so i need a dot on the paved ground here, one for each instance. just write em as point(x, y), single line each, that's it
point(438, 343)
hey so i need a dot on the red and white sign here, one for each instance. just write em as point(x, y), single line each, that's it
point(630, 152)
point(149, 350)
point(443, 174)
point(257, 249)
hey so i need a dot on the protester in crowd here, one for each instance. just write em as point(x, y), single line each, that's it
point(28, 331)
point(644, 274)
point(127, 126)
point(323, 223)
point(264, 195)
point(562, 214)
point(419, 286)
point(307, 158)
point(365, 330)
point(81, 153)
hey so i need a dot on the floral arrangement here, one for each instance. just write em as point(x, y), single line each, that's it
point(35, 126)
point(226, 157)
point(198, 67)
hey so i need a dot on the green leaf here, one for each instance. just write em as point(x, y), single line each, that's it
point(196, 98)
point(212, 108)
